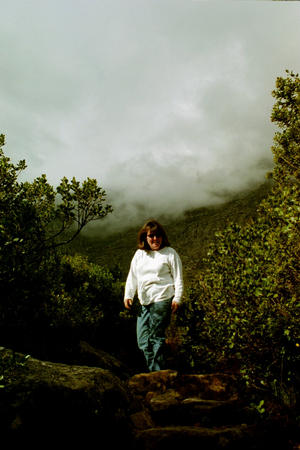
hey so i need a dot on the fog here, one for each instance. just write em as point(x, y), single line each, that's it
point(167, 104)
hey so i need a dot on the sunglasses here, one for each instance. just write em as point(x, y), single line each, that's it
point(152, 235)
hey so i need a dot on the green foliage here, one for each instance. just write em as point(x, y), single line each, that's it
point(243, 311)
point(36, 215)
point(35, 220)
point(88, 300)
point(286, 114)
point(80, 204)
point(9, 362)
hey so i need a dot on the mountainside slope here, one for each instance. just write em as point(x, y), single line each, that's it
point(189, 234)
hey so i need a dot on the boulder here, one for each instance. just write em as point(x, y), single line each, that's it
point(60, 401)
point(95, 357)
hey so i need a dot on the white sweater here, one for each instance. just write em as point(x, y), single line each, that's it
point(155, 275)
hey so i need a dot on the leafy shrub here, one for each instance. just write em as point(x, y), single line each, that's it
point(87, 301)
point(243, 311)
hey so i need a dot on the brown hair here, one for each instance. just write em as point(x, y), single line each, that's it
point(154, 227)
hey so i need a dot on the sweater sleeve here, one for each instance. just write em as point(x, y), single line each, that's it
point(131, 282)
point(176, 270)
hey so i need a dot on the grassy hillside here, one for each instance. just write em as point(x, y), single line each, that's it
point(189, 234)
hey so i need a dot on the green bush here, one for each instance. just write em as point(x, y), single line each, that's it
point(87, 301)
point(243, 311)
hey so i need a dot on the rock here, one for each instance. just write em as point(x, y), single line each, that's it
point(142, 383)
point(95, 357)
point(195, 411)
point(43, 403)
point(211, 386)
point(177, 438)
point(176, 399)
point(142, 420)
point(164, 401)
point(217, 386)
point(61, 401)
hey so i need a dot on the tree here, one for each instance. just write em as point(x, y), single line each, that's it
point(37, 214)
point(286, 114)
point(36, 219)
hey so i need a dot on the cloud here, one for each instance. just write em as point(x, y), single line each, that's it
point(167, 106)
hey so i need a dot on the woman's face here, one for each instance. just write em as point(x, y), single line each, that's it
point(154, 240)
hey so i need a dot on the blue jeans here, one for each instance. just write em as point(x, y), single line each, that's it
point(151, 326)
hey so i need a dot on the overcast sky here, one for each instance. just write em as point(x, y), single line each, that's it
point(166, 103)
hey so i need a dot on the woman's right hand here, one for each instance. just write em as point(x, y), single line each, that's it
point(128, 303)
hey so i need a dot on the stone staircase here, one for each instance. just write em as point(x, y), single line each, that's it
point(177, 411)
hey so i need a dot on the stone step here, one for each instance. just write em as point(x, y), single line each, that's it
point(240, 437)
point(209, 386)
point(167, 409)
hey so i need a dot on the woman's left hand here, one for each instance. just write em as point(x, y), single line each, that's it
point(174, 306)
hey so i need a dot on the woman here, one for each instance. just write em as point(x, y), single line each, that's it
point(156, 275)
